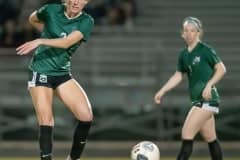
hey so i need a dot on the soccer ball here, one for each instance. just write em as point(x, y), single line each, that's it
point(145, 150)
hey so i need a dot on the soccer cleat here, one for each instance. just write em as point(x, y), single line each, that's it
point(69, 158)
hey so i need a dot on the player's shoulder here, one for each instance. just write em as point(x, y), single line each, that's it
point(88, 17)
point(207, 48)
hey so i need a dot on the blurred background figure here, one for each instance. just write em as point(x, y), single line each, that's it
point(15, 28)
point(129, 8)
point(121, 13)
point(28, 32)
point(9, 33)
point(9, 36)
point(9, 9)
point(98, 10)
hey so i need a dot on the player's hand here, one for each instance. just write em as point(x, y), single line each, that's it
point(207, 92)
point(158, 96)
point(28, 47)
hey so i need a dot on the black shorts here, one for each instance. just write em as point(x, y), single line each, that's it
point(211, 106)
point(39, 79)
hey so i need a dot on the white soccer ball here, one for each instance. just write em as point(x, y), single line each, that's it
point(145, 150)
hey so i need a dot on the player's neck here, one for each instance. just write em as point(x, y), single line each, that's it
point(70, 15)
point(192, 45)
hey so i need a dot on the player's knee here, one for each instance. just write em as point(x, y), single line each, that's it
point(187, 135)
point(208, 137)
point(46, 121)
point(88, 116)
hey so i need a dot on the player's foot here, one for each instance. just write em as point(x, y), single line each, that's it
point(69, 158)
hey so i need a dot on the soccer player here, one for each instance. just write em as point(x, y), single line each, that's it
point(64, 27)
point(204, 69)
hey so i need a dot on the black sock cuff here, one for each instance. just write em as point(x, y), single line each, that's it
point(82, 125)
point(84, 122)
point(187, 141)
point(214, 141)
point(45, 127)
point(46, 130)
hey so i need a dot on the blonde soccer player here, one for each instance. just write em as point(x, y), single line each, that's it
point(203, 67)
point(63, 28)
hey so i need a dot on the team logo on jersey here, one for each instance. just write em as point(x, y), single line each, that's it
point(196, 60)
point(63, 35)
point(43, 78)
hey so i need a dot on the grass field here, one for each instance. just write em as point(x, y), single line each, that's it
point(7, 158)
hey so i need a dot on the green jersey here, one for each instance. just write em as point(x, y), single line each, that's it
point(57, 61)
point(199, 67)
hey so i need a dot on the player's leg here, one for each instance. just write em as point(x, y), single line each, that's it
point(208, 132)
point(42, 101)
point(74, 97)
point(194, 121)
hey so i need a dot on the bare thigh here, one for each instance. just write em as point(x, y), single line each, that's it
point(75, 98)
point(208, 131)
point(196, 118)
point(42, 100)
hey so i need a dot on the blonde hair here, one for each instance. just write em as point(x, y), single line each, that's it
point(196, 22)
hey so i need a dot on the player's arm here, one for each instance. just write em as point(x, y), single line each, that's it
point(35, 22)
point(170, 84)
point(220, 70)
point(63, 43)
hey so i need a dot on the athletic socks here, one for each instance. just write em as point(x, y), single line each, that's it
point(186, 150)
point(187, 145)
point(215, 150)
point(45, 141)
point(79, 139)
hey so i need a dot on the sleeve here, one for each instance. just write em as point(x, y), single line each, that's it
point(42, 12)
point(180, 65)
point(212, 57)
point(86, 28)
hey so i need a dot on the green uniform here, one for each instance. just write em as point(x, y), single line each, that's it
point(56, 61)
point(199, 67)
